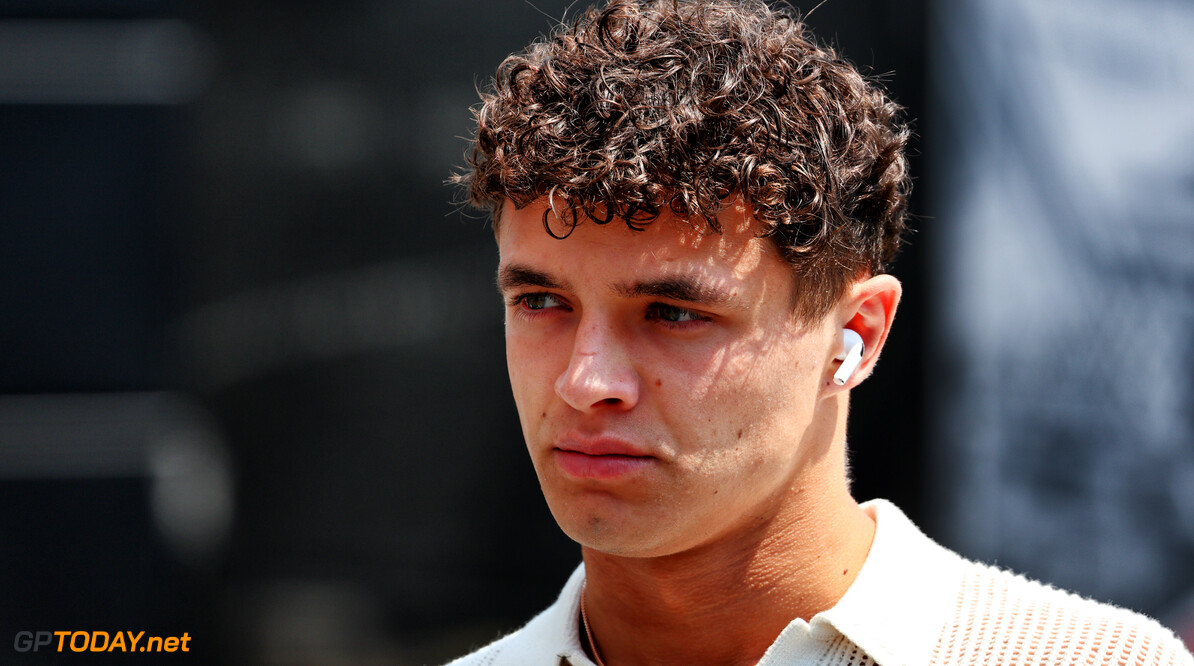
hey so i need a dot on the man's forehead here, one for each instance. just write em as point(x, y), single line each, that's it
point(738, 232)
point(669, 258)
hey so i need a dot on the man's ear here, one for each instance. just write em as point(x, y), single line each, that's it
point(868, 308)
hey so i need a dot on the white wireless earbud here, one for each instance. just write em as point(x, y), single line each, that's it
point(850, 357)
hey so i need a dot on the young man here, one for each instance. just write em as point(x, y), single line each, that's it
point(694, 206)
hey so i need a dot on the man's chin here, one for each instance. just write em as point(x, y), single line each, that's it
point(617, 538)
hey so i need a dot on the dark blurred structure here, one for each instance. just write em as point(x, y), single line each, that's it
point(1064, 182)
point(244, 324)
point(112, 496)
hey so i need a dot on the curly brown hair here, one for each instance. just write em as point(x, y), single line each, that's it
point(652, 105)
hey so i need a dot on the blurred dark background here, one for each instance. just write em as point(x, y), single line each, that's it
point(253, 387)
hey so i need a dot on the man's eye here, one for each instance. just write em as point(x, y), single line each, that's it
point(539, 301)
point(672, 314)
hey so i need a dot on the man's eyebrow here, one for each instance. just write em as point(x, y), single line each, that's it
point(514, 276)
point(677, 288)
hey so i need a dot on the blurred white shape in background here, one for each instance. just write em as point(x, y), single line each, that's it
point(136, 61)
point(163, 438)
point(191, 493)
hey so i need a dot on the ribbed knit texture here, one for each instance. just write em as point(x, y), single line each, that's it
point(844, 653)
point(1002, 618)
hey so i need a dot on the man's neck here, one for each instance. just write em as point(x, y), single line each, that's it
point(726, 602)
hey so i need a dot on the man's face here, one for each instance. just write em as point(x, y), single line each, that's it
point(667, 393)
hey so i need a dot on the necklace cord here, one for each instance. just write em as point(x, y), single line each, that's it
point(584, 620)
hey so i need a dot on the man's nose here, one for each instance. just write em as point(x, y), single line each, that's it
point(600, 373)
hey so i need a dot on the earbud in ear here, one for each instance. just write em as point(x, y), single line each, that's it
point(851, 356)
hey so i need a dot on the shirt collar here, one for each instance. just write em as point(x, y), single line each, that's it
point(894, 610)
point(557, 626)
point(903, 595)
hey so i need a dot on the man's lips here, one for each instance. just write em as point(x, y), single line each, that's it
point(599, 458)
point(600, 446)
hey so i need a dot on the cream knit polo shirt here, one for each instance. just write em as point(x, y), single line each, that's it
point(914, 603)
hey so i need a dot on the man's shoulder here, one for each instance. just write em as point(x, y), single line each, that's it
point(919, 602)
point(505, 650)
point(1003, 617)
